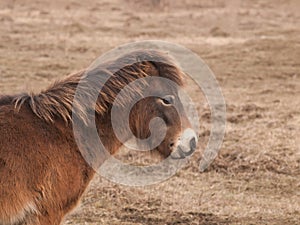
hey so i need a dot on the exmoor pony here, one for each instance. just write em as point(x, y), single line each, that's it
point(42, 171)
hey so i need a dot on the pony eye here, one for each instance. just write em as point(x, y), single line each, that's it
point(168, 100)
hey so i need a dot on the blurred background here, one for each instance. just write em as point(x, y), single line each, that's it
point(252, 46)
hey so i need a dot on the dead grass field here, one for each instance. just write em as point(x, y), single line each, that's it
point(253, 47)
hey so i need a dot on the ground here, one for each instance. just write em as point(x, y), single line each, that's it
point(253, 48)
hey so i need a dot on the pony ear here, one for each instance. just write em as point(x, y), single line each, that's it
point(151, 68)
point(167, 70)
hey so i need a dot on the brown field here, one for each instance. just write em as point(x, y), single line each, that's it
point(253, 47)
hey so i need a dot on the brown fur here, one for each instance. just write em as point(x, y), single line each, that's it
point(42, 172)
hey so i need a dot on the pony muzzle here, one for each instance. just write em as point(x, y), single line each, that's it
point(186, 146)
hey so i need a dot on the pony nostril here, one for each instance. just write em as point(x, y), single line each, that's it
point(193, 143)
point(171, 145)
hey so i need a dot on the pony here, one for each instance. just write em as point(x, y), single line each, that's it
point(42, 171)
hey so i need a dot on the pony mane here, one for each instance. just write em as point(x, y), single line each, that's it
point(57, 101)
point(6, 99)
